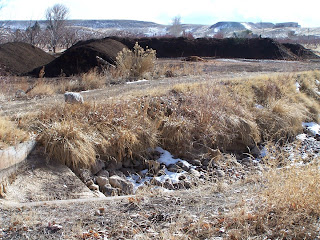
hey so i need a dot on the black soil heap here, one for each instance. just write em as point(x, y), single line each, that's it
point(18, 58)
point(82, 57)
point(255, 48)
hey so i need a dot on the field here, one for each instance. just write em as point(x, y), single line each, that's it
point(235, 121)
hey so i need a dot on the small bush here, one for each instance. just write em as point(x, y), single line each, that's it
point(134, 64)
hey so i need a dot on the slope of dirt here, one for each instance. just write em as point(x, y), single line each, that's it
point(300, 51)
point(18, 58)
point(255, 48)
point(82, 57)
point(39, 180)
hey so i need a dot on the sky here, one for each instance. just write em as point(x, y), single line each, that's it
point(306, 12)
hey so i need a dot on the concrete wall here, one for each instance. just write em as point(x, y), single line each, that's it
point(10, 159)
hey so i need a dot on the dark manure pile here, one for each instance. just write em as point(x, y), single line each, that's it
point(255, 48)
point(82, 57)
point(18, 58)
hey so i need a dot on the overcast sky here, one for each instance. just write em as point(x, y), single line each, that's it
point(306, 12)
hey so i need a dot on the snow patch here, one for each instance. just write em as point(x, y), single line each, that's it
point(312, 127)
point(139, 81)
point(298, 87)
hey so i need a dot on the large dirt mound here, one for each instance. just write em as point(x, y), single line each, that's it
point(82, 57)
point(255, 48)
point(18, 58)
point(300, 51)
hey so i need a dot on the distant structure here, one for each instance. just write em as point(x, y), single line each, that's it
point(287, 24)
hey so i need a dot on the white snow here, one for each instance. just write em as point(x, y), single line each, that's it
point(313, 127)
point(139, 81)
point(298, 87)
point(247, 26)
point(258, 106)
point(167, 159)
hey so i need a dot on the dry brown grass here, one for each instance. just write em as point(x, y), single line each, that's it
point(188, 119)
point(42, 88)
point(10, 133)
point(177, 69)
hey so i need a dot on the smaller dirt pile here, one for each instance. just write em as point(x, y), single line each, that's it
point(18, 58)
point(82, 57)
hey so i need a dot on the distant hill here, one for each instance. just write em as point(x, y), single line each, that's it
point(144, 28)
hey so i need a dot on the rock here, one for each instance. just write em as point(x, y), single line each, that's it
point(89, 183)
point(85, 175)
point(186, 184)
point(154, 166)
point(98, 166)
point(195, 162)
point(194, 173)
point(73, 98)
point(246, 161)
point(220, 173)
point(118, 182)
point(168, 184)
point(109, 191)
point(255, 152)
point(128, 171)
point(117, 173)
point(168, 74)
point(182, 177)
point(183, 166)
point(103, 173)
point(102, 181)
point(193, 59)
point(94, 187)
point(178, 185)
point(173, 168)
point(127, 163)
point(113, 164)
point(20, 94)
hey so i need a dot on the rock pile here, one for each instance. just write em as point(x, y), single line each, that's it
point(163, 172)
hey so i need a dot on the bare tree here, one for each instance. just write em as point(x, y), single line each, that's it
point(176, 27)
point(32, 33)
point(56, 21)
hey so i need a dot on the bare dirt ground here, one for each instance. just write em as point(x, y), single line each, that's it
point(185, 214)
point(40, 180)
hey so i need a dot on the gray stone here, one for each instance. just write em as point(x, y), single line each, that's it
point(117, 173)
point(195, 162)
point(102, 181)
point(194, 173)
point(85, 175)
point(186, 184)
point(20, 94)
point(173, 168)
point(220, 173)
point(154, 166)
point(109, 191)
point(89, 183)
point(255, 151)
point(73, 97)
point(103, 173)
point(113, 164)
point(127, 163)
point(98, 166)
point(118, 182)
point(183, 166)
point(168, 184)
point(182, 177)
point(94, 187)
